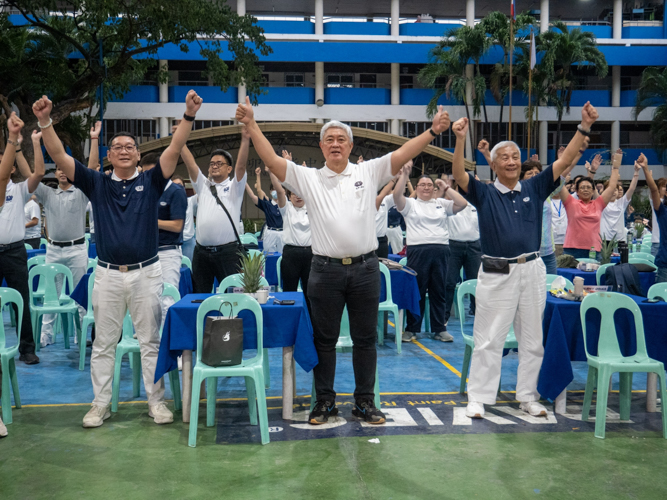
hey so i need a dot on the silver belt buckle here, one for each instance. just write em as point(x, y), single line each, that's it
point(122, 269)
point(521, 260)
point(347, 261)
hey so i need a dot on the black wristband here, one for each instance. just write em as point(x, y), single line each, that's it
point(582, 131)
point(433, 133)
point(17, 151)
point(188, 118)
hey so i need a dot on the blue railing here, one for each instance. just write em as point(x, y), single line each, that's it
point(350, 28)
point(177, 93)
point(287, 95)
point(357, 96)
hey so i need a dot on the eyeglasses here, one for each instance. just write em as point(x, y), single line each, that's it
point(218, 164)
point(581, 188)
point(130, 148)
point(424, 185)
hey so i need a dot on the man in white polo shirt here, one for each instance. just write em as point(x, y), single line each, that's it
point(344, 272)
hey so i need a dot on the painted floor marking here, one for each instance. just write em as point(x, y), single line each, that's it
point(430, 417)
point(450, 367)
point(396, 417)
point(522, 415)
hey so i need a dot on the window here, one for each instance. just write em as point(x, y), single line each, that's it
point(407, 81)
point(294, 80)
point(367, 81)
point(412, 129)
point(338, 80)
point(192, 78)
point(379, 126)
point(143, 130)
point(200, 124)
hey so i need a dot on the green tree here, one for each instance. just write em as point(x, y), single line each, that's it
point(653, 92)
point(68, 48)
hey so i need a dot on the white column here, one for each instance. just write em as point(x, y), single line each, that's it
point(395, 17)
point(241, 94)
point(395, 94)
point(470, 13)
point(616, 86)
point(165, 129)
point(319, 86)
point(617, 30)
point(544, 141)
point(163, 92)
point(544, 16)
point(615, 135)
point(240, 7)
point(319, 17)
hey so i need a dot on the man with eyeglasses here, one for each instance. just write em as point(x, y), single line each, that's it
point(216, 253)
point(128, 274)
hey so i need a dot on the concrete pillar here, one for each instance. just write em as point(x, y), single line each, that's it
point(241, 94)
point(543, 142)
point(544, 16)
point(319, 82)
point(319, 17)
point(616, 86)
point(164, 129)
point(470, 13)
point(395, 17)
point(395, 94)
point(240, 7)
point(615, 135)
point(617, 30)
point(163, 95)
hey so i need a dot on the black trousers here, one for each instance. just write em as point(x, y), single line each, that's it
point(430, 262)
point(383, 247)
point(208, 265)
point(466, 255)
point(14, 269)
point(33, 242)
point(331, 288)
point(295, 266)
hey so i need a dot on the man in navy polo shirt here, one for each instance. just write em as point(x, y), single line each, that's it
point(511, 286)
point(273, 232)
point(128, 274)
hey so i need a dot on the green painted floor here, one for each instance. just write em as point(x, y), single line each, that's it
point(50, 456)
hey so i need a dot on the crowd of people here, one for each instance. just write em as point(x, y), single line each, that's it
point(331, 225)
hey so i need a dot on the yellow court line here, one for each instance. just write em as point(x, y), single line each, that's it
point(451, 368)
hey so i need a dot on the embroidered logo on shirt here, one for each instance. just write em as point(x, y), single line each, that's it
point(358, 184)
point(139, 188)
point(526, 199)
point(438, 206)
point(9, 198)
point(226, 189)
point(163, 203)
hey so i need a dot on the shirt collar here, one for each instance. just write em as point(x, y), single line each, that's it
point(504, 189)
point(224, 183)
point(116, 178)
point(168, 184)
point(330, 173)
point(61, 190)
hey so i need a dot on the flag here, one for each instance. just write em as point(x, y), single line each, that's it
point(513, 12)
point(533, 54)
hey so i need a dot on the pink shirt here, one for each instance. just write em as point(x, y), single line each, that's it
point(583, 223)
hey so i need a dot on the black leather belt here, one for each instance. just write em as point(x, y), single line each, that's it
point(274, 228)
point(392, 227)
point(168, 247)
point(518, 260)
point(80, 241)
point(12, 246)
point(129, 267)
point(218, 248)
point(348, 260)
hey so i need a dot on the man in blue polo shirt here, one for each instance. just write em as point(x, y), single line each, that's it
point(511, 286)
point(273, 232)
point(128, 274)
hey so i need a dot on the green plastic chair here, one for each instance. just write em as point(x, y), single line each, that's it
point(36, 260)
point(552, 277)
point(645, 248)
point(427, 305)
point(388, 306)
point(659, 290)
point(644, 255)
point(88, 320)
point(251, 369)
point(639, 260)
point(28, 246)
point(185, 262)
point(43, 242)
point(130, 346)
point(248, 239)
point(87, 237)
point(9, 296)
point(53, 303)
point(601, 272)
point(588, 261)
point(344, 345)
point(235, 280)
point(610, 360)
point(469, 287)
point(92, 264)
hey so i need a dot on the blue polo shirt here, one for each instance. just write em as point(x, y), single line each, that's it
point(394, 218)
point(125, 213)
point(273, 218)
point(510, 221)
point(661, 218)
point(173, 205)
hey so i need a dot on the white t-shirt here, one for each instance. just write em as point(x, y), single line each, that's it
point(213, 225)
point(426, 221)
point(12, 217)
point(296, 225)
point(189, 225)
point(32, 211)
point(341, 207)
point(612, 221)
point(464, 226)
point(381, 215)
point(91, 220)
point(558, 221)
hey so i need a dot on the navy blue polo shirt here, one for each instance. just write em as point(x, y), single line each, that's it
point(510, 223)
point(273, 218)
point(173, 205)
point(394, 218)
point(125, 213)
point(661, 218)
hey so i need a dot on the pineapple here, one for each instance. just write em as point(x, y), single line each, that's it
point(639, 230)
point(607, 249)
point(251, 272)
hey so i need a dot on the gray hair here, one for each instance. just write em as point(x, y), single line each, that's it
point(336, 124)
point(501, 145)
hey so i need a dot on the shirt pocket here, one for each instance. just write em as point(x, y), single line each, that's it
point(528, 210)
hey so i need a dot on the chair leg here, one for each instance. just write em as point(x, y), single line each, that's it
point(267, 373)
point(591, 381)
point(376, 389)
point(83, 340)
point(175, 385)
point(601, 405)
point(6, 398)
point(663, 402)
point(115, 384)
point(194, 408)
point(211, 392)
point(261, 409)
point(625, 394)
point(427, 315)
point(252, 403)
point(136, 373)
point(380, 327)
point(37, 329)
point(67, 324)
point(467, 354)
point(15, 383)
point(399, 332)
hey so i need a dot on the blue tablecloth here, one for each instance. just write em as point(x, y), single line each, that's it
point(270, 271)
point(284, 326)
point(646, 279)
point(92, 250)
point(404, 291)
point(564, 342)
point(395, 257)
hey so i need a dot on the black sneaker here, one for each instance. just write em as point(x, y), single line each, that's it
point(29, 358)
point(322, 411)
point(366, 409)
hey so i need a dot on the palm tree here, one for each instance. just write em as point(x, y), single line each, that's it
point(653, 92)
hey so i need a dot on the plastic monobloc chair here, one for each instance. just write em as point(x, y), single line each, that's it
point(248, 239)
point(251, 369)
point(28, 246)
point(388, 306)
point(601, 272)
point(639, 260)
point(9, 296)
point(659, 290)
point(88, 320)
point(644, 255)
point(609, 359)
point(92, 264)
point(185, 261)
point(552, 277)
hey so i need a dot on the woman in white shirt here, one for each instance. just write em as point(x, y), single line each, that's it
point(427, 238)
point(612, 222)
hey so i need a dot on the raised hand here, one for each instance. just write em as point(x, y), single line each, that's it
point(36, 136)
point(588, 115)
point(14, 125)
point(258, 171)
point(287, 155)
point(245, 133)
point(642, 162)
point(407, 168)
point(483, 146)
point(616, 160)
point(460, 128)
point(441, 121)
point(244, 112)
point(360, 159)
point(192, 103)
point(596, 162)
point(441, 184)
point(535, 157)
point(42, 109)
point(560, 152)
point(95, 130)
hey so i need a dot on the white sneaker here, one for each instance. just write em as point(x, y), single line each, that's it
point(96, 416)
point(534, 408)
point(3, 429)
point(160, 413)
point(46, 339)
point(475, 410)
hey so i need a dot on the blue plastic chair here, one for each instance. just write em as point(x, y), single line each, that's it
point(388, 306)
point(88, 320)
point(609, 360)
point(9, 296)
point(251, 369)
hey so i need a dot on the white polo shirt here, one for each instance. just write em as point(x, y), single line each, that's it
point(32, 211)
point(381, 215)
point(464, 226)
point(296, 225)
point(189, 225)
point(213, 226)
point(558, 221)
point(65, 212)
point(12, 218)
point(426, 221)
point(612, 221)
point(341, 207)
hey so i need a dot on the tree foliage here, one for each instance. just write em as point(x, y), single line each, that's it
point(652, 91)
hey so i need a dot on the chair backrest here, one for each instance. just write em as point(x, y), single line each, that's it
point(468, 287)
point(49, 273)
point(344, 336)
point(644, 255)
point(600, 272)
point(36, 260)
point(128, 327)
point(639, 260)
point(239, 303)
point(9, 296)
point(87, 237)
point(387, 281)
point(588, 261)
point(28, 246)
point(92, 264)
point(185, 261)
point(43, 242)
point(403, 261)
point(170, 290)
point(279, 263)
point(568, 284)
point(608, 303)
point(248, 238)
point(235, 280)
point(659, 290)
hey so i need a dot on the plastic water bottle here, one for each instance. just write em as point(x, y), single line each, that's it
point(592, 254)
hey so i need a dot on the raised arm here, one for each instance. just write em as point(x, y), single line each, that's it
point(399, 188)
point(633, 183)
point(258, 184)
point(588, 117)
point(242, 156)
point(275, 163)
point(34, 179)
point(190, 164)
point(389, 187)
point(450, 194)
point(460, 129)
point(251, 195)
point(94, 154)
point(169, 157)
point(42, 110)
point(652, 186)
point(21, 162)
point(280, 190)
point(173, 226)
point(411, 190)
point(483, 147)
point(14, 126)
point(608, 193)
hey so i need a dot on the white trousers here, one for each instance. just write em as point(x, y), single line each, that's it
point(170, 260)
point(395, 238)
point(113, 294)
point(502, 299)
point(76, 259)
point(273, 241)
